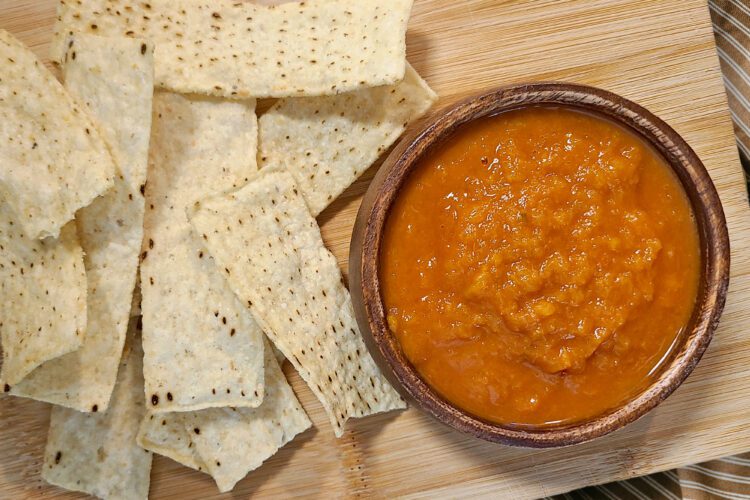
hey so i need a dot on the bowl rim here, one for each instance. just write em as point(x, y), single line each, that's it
point(373, 213)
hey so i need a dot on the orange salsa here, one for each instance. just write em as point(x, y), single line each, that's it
point(538, 266)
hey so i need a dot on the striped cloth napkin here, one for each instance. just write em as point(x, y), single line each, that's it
point(726, 477)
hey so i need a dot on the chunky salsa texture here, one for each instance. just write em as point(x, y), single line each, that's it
point(537, 266)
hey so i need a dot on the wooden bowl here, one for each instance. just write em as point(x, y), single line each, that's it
point(368, 235)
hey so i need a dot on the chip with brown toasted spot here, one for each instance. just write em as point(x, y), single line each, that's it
point(113, 79)
point(42, 298)
point(227, 443)
point(327, 142)
point(235, 441)
point(270, 248)
point(97, 452)
point(241, 49)
point(202, 347)
point(52, 159)
point(165, 434)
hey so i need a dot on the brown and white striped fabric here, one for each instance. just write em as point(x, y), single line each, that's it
point(725, 478)
point(731, 20)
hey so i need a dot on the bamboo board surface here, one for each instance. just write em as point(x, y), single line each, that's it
point(659, 54)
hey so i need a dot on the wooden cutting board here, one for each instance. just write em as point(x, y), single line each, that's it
point(659, 54)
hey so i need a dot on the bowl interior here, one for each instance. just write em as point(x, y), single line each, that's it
point(688, 348)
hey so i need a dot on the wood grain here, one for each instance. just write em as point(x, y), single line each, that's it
point(659, 54)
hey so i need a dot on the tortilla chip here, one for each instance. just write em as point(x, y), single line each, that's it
point(273, 256)
point(166, 435)
point(42, 298)
point(234, 441)
point(97, 452)
point(203, 348)
point(114, 78)
point(239, 49)
point(227, 443)
point(53, 159)
point(327, 142)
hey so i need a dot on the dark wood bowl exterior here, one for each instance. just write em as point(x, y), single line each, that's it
point(373, 213)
